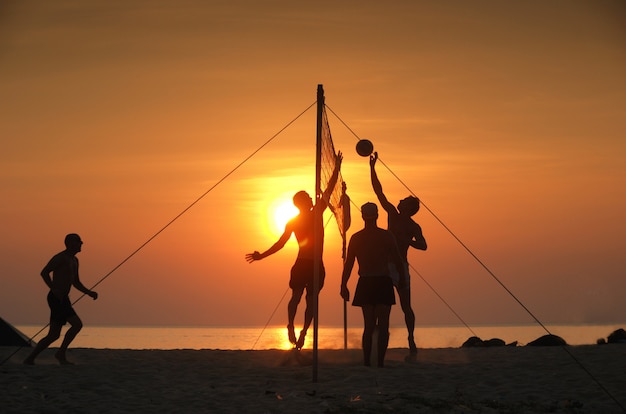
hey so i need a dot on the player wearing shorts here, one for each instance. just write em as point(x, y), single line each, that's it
point(408, 234)
point(304, 226)
point(64, 269)
point(373, 248)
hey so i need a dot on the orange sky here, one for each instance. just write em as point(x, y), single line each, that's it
point(507, 120)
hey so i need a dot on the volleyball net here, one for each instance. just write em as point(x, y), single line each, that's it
point(339, 202)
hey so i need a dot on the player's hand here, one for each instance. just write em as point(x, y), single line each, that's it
point(345, 293)
point(251, 257)
point(373, 158)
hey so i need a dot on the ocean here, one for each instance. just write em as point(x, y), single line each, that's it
point(259, 338)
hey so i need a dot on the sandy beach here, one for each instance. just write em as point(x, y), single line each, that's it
point(451, 380)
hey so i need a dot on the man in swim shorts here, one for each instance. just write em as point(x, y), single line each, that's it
point(304, 226)
point(64, 269)
point(408, 234)
point(374, 248)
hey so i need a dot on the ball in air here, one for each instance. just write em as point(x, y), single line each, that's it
point(364, 147)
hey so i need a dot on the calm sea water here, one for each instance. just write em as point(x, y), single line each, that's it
point(246, 338)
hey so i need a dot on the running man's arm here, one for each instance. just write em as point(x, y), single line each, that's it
point(79, 285)
point(45, 273)
point(60, 285)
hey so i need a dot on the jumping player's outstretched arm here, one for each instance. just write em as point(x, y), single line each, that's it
point(333, 179)
point(377, 186)
point(251, 257)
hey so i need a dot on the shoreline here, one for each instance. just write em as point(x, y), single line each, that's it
point(467, 380)
point(274, 337)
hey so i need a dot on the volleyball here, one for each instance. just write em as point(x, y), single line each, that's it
point(364, 147)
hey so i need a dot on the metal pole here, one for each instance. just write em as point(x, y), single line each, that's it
point(317, 236)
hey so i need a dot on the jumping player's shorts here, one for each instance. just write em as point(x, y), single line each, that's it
point(60, 309)
point(302, 275)
point(374, 290)
point(400, 282)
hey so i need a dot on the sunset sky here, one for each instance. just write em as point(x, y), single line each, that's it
point(507, 119)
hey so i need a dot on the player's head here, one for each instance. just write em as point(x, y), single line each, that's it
point(303, 201)
point(369, 211)
point(73, 242)
point(409, 205)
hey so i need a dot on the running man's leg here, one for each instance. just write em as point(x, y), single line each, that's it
point(53, 334)
point(75, 326)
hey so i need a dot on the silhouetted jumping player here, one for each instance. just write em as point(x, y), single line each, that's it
point(64, 269)
point(303, 226)
point(374, 249)
point(408, 234)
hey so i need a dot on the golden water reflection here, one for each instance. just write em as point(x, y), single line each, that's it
point(258, 338)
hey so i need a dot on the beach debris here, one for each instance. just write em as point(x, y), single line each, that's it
point(617, 337)
point(548, 340)
point(476, 342)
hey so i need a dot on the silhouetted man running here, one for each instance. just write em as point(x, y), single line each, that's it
point(64, 269)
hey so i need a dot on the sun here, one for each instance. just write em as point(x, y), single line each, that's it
point(281, 211)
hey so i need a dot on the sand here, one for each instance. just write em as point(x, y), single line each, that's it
point(453, 380)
